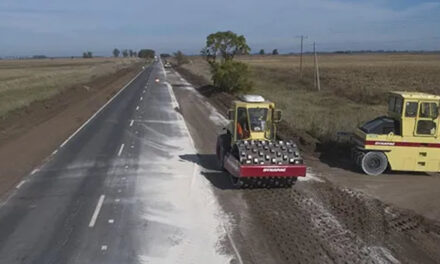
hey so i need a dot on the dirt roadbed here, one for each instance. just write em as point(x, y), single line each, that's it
point(30, 135)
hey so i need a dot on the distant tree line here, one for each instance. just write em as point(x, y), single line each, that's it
point(87, 55)
point(125, 53)
point(274, 52)
point(146, 53)
point(39, 57)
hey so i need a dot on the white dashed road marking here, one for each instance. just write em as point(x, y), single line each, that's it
point(20, 184)
point(96, 212)
point(131, 123)
point(121, 149)
point(137, 108)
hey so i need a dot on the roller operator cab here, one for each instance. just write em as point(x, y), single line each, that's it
point(407, 139)
point(248, 148)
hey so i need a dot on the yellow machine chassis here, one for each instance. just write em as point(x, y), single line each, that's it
point(410, 150)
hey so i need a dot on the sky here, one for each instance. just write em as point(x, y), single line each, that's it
point(67, 28)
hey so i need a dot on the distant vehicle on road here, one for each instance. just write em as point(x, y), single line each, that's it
point(167, 65)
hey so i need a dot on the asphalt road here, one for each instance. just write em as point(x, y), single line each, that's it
point(118, 191)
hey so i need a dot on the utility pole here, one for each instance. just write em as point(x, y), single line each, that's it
point(301, 56)
point(316, 75)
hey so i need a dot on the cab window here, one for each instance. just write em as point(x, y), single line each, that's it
point(242, 123)
point(411, 109)
point(398, 107)
point(258, 117)
point(395, 104)
point(428, 110)
point(391, 103)
point(426, 127)
point(428, 113)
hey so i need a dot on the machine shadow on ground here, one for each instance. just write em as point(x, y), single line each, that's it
point(208, 162)
point(336, 155)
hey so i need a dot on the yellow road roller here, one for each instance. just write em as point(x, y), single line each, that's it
point(407, 139)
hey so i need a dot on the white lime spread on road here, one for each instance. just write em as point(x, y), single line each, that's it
point(185, 223)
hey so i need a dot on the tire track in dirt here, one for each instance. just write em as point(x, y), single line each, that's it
point(317, 222)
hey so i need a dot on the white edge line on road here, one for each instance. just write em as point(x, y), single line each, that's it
point(20, 184)
point(234, 247)
point(131, 122)
point(35, 171)
point(121, 149)
point(96, 212)
point(100, 109)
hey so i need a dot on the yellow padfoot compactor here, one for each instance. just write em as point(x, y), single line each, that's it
point(249, 151)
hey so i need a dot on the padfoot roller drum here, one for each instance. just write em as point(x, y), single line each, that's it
point(264, 152)
point(266, 164)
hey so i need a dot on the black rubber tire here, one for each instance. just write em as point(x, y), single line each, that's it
point(223, 146)
point(237, 182)
point(374, 163)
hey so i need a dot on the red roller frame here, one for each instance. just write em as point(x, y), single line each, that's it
point(272, 171)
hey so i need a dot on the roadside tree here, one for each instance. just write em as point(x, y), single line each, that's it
point(225, 44)
point(180, 58)
point(116, 53)
point(228, 75)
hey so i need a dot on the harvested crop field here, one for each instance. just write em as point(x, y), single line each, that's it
point(353, 87)
point(25, 81)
